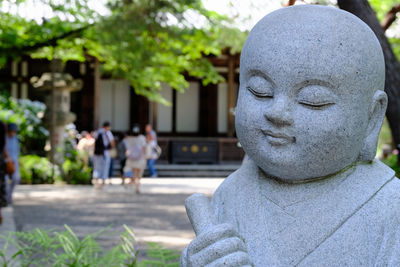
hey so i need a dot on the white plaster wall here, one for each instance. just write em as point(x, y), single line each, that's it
point(14, 90)
point(122, 110)
point(164, 113)
point(105, 101)
point(24, 91)
point(114, 104)
point(187, 109)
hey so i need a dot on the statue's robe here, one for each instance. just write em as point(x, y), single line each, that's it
point(349, 219)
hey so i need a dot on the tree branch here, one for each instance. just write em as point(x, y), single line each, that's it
point(290, 2)
point(49, 42)
point(390, 17)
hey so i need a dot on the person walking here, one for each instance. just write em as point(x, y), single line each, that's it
point(13, 151)
point(135, 156)
point(104, 141)
point(151, 154)
point(121, 152)
point(86, 147)
point(151, 138)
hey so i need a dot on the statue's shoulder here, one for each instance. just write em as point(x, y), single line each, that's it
point(391, 188)
point(387, 199)
point(240, 181)
point(389, 196)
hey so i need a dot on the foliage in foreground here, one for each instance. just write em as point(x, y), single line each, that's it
point(50, 248)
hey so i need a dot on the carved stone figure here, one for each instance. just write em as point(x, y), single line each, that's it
point(309, 112)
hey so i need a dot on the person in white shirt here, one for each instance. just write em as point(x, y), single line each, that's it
point(135, 156)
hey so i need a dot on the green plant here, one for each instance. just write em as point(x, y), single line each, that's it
point(75, 170)
point(28, 116)
point(148, 43)
point(160, 256)
point(61, 249)
point(38, 170)
point(385, 136)
point(391, 161)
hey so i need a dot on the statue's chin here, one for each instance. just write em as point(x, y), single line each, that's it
point(289, 171)
point(293, 178)
point(287, 179)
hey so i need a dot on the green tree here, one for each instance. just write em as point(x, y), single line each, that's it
point(148, 42)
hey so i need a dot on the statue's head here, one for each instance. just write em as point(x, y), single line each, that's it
point(311, 99)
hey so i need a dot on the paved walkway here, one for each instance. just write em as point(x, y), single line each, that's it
point(157, 214)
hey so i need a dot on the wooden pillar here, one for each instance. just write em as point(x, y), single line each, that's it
point(140, 110)
point(53, 106)
point(154, 122)
point(208, 121)
point(231, 98)
point(19, 71)
point(174, 111)
point(96, 85)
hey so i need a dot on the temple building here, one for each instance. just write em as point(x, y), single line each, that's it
point(197, 128)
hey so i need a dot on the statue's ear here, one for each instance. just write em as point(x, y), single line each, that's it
point(376, 115)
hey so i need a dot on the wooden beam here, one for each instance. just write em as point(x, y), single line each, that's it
point(10, 79)
point(231, 99)
point(223, 62)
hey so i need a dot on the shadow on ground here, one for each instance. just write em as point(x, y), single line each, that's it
point(156, 215)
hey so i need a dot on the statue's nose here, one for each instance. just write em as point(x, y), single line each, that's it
point(279, 113)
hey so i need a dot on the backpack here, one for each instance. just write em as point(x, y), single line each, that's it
point(99, 147)
point(135, 152)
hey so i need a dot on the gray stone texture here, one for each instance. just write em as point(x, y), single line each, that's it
point(309, 112)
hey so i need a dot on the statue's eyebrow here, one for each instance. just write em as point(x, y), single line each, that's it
point(320, 82)
point(257, 72)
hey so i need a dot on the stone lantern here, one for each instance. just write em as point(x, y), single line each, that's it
point(58, 102)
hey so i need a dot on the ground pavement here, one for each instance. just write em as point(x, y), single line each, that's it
point(156, 215)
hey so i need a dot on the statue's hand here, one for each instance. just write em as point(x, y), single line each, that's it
point(218, 246)
point(215, 244)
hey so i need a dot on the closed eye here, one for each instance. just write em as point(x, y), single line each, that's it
point(260, 87)
point(316, 96)
point(259, 93)
point(319, 105)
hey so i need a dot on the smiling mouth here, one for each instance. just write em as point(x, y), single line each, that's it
point(278, 139)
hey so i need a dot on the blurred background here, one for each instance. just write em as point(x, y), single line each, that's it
point(68, 66)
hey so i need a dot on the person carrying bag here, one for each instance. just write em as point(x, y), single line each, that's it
point(9, 164)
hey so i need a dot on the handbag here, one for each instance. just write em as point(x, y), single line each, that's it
point(10, 167)
point(113, 152)
point(158, 151)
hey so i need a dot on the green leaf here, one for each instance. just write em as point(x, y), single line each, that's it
point(135, 40)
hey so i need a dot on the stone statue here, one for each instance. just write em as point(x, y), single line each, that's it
point(309, 112)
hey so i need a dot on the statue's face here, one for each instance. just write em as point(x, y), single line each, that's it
point(300, 112)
